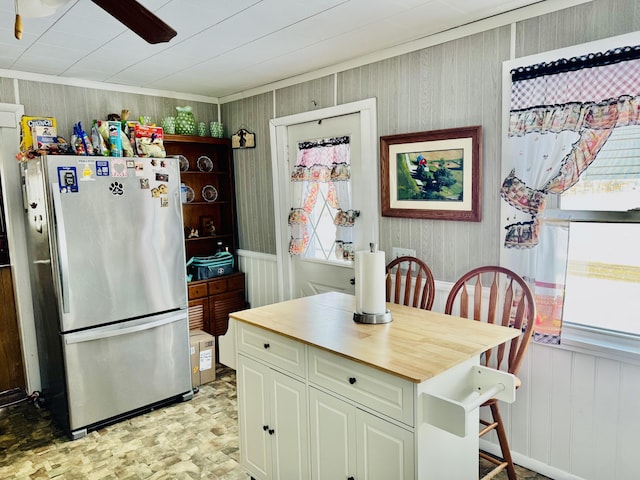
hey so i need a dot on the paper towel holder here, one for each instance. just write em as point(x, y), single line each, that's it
point(372, 318)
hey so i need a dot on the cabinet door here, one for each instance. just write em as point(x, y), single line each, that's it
point(220, 306)
point(290, 435)
point(254, 417)
point(199, 314)
point(333, 437)
point(384, 450)
point(272, 420)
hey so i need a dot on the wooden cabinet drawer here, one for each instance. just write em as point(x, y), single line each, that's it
point(217, 286)
point(235, 282)
point(380, 391)
point(198, 290)
point(271, 348)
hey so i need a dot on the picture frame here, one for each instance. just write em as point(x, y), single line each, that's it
point(433, 175)
point(243, 138)
point(207, 226)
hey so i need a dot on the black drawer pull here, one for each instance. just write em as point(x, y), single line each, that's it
point(352, 380)
point(266, 345)
point(351, 478)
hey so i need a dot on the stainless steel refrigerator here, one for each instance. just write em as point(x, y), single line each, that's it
point(107, 260)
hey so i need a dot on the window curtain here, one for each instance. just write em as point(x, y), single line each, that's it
point(561, 114)
point(322, 161)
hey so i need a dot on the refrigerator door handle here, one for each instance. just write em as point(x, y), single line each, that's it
point(63, 254)
point(105, 332)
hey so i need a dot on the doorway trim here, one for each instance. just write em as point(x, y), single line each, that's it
point(11, 177)
point(278, 130)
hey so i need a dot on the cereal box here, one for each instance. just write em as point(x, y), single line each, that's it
point(27, 124)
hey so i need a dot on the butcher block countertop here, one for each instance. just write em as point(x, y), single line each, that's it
point(417, 345)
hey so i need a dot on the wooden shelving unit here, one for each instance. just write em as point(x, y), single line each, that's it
point(210, 301)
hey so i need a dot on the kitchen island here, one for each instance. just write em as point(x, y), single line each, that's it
point(323, 397)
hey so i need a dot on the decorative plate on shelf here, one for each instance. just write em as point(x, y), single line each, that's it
point(183, 162)
point(209, 193)
point(205, 164)
point(191, 195)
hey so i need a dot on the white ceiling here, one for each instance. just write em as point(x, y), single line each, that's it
point(223, 46)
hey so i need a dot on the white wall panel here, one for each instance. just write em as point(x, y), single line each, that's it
point(627, 421)
point(538, 393)
point(607, 386)
point(582, 401)
point(261, 277)
point(559, 412)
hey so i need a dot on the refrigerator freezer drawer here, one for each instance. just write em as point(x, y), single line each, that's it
point(116, 369)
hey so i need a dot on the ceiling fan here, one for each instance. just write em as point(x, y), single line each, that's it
point(130, 13)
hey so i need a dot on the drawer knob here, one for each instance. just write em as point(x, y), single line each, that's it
point(351, 478)
point(352, 380)
point(266, 345)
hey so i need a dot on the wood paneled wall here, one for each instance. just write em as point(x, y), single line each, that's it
point(7, 92)
point(254, 182)
point(72, 104)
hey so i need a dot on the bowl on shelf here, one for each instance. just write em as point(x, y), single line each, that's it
point(205, 164)
point(209, 193)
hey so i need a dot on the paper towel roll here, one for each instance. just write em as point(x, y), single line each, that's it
point(370, 282)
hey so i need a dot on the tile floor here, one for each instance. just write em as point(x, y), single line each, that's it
point(197, 439)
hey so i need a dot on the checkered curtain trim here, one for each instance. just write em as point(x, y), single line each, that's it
point(588, 85)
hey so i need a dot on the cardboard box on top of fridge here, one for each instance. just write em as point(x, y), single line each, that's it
point(203, 358)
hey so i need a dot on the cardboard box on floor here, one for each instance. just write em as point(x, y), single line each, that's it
point(203, 363)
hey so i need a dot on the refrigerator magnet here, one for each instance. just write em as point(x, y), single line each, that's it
point(164, 202)
point(87, 174)
point(162, 177)
point(67, 179)
point(144, 183)
point(116, 189)
point(102, 168)
point(118, 167)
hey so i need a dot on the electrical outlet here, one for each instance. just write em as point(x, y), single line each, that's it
point(402, 252)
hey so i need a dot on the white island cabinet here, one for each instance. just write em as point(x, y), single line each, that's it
point(325, 398)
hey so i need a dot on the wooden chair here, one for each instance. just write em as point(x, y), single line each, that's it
point(410, 282)
point(497, 295)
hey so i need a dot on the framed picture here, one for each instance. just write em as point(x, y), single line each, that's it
point(207, 226)
point(433, 175)
point(243, 138)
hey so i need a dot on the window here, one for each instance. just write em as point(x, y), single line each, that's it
point(322, 241)
point(603, 272)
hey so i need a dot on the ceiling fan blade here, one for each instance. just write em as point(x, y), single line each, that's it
point(139, 19)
